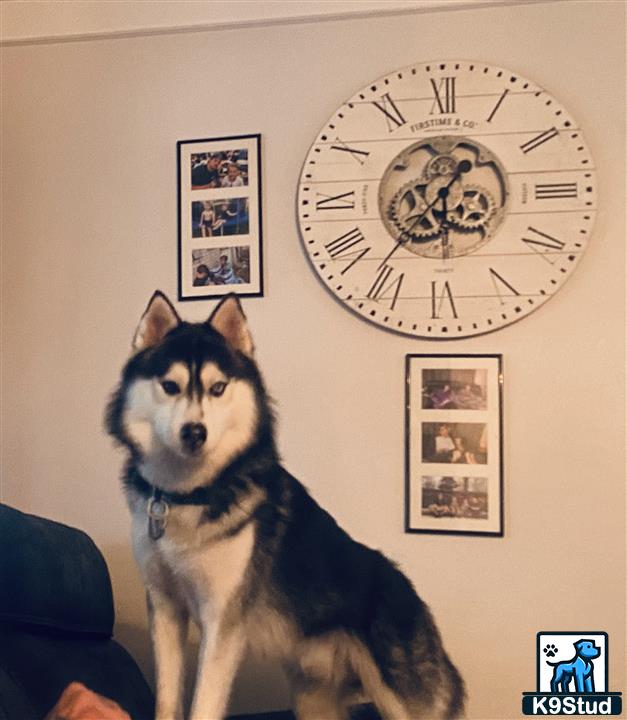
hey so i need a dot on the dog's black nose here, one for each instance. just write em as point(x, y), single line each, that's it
point(193, 435)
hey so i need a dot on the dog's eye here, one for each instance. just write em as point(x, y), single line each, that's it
point(217, 389)
point(170, 387)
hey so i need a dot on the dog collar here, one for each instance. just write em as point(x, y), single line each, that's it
point(216, 498)
point(204, 495)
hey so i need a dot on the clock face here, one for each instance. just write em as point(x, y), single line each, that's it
point(447, 199)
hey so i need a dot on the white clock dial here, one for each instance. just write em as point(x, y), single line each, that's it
point(447, 199)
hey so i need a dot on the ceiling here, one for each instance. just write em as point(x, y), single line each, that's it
point(50, 20)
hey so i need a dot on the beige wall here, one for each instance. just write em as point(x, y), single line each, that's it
point(89, 230)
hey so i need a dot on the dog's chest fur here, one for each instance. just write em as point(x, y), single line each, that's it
point(209, 571)
point(196, 561)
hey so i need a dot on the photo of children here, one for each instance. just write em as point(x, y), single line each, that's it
point(220, 217)
point(221, 266)
point(459, 443)
point(465, 497)
point(452, 389)
point(228, 168)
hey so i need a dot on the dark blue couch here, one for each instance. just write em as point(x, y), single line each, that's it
point(56, 621)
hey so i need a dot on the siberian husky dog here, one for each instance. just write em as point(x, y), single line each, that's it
point(227, 538)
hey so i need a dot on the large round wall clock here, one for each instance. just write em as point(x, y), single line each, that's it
point(447, 199)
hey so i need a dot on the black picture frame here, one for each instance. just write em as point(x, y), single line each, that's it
point(220, 218)
point(462, 393)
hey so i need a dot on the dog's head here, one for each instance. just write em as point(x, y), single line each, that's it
point(587, 649)
point(191, 398)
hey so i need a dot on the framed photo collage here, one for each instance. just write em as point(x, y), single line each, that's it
point(454, 452)
point(219, 217)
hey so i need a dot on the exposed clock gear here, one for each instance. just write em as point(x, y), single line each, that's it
point(441, 165)
point(410, 212)
point(415, 212)
point(474, 210)
point(424, 181)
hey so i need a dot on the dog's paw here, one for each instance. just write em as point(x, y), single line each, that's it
point(550, 650)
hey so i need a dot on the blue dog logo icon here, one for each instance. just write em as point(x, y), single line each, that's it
point(580, 669)
point(577, 686)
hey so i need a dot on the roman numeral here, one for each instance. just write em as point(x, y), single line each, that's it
point(393, 115)
point(344, 247)
point(554, 191)
point(543, 244)
point(339, 246)
point(381, 290)
point(438, 300)
point(343, 201)
point(498, 105)
point(498, 281)
point(539, 140)
point(359, 155)
point(444, 95)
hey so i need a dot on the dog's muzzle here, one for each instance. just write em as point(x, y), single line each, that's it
point(193, 436)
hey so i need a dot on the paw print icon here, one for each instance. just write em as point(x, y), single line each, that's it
point(550, 650)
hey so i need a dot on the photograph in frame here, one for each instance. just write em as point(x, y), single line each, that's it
point(454, 389)
point(221, 266)
point(220, 249)
point(457, 443)
point(453, 444)
point(454, 497)
point(219, 168)
point(220, 217)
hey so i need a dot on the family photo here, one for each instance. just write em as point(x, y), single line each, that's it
point(452, 389)
point(465, 497)
point(220, 217)
point(221, 266)
point(461, 443)
point(219, 169)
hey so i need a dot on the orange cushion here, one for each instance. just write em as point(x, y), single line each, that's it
point(79, 703)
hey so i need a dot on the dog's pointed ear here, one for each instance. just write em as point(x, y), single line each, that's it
point(158, 319)
point(229, 320)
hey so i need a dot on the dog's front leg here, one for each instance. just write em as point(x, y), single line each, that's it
point(168, 627)
point(581, 683)
point(221, 650)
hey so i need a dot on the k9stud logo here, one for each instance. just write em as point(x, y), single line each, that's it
point(572, 676)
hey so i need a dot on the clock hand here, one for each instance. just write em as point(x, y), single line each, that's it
point(405, 236)
point(444, 226)
point(463, 167)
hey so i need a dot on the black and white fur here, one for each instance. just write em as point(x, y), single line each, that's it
point(246, 553)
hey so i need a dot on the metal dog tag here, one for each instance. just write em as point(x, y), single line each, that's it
point(157, 510)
